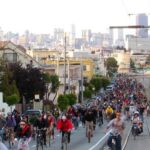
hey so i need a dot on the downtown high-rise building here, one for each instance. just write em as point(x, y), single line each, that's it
point(142, 19)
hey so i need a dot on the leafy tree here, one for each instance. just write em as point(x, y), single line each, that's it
point(148, 59)
point(71, 99)
point(111, 65)
point(12, 99)
point(96, 82)
point(54, 81)
point(105, 82)
point(62, 102)
point(29, 81)
point(87, 93)
point(8, 87)
point(132, 65)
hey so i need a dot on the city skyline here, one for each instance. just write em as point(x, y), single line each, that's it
point(42, 17)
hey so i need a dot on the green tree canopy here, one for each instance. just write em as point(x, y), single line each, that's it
point(111, 65)
point(96, 82)
point(105, 82)
point(62, 102)
point(148, 59)
point(29, 81)
point(54, 81)
point(71, 99)
point(87, 93)
point(12, 99)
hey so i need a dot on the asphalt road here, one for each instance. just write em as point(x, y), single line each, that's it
point(142, 142)
point(78, 139)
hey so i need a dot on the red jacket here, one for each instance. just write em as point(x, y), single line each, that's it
point(64, 125)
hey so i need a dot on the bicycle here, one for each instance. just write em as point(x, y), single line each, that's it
point(50, 134)
point(39, 140)
point(64, 141)
point(89, 128)
point(10, 137)
point(23, 144)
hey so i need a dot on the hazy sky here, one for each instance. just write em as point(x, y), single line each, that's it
point(42, 16)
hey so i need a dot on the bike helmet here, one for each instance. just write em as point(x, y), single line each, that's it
point(136, 113)
point(63, 118)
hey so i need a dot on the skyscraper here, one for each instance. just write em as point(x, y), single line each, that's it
point(142, 19)
point(72, 35)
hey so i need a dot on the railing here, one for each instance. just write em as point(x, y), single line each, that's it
point(102, 143)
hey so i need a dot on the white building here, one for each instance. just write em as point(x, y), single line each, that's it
point(138, 45)
point(4, 108)
point(16, 53)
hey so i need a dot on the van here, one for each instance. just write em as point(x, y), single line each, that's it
point(110, 88)
point(32, 112)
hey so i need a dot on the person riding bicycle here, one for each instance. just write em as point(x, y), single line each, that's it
point(65, 126)
point(109, 111)
point(2, 126)
point(51, 123)
point(24, 133)
point(24, 130)
point(89, 121)
point(117, 126)
point(42, 123)
point(137, 121)
point(10, 125)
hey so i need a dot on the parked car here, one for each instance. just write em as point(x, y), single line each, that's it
point(110, 88)
point(32, 112)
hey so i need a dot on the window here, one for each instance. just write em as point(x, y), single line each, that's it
point(84, 68)
point(11, 57)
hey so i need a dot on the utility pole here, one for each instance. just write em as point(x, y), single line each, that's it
point(65, 64)
point(81, 64)
point(69, 76)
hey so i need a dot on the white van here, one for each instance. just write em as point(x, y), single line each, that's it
point(110, 88)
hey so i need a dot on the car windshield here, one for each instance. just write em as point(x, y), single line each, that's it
point(32, 113)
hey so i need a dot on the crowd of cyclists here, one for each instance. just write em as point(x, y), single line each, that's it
point(126, 99)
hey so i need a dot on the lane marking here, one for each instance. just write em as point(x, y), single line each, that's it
point(94, 146)
point(126, 140)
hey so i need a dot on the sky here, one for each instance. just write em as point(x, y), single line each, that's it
point(42, 16)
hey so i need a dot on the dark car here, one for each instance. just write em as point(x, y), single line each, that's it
point(33, 112)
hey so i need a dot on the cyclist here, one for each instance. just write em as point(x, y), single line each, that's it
point(24, 133)
point(109, 112)
point(117, 126)
point(42, 123)
point(2, 125)
point(65, 126)
point(100, 116)
point(10, 125)
point(137, 121)
point(89, 120)
point(51, 121)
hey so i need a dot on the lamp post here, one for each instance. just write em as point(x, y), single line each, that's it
point(65, 65)
point(93, 90)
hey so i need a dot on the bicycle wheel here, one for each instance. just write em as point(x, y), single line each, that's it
point(37, 144)
point(49, 138)
point(89, 136)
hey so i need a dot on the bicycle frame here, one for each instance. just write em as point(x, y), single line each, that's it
point(65, 141)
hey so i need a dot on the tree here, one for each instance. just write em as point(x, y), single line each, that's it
point(71, 99)
point(96, 82)
point(148, 59)
point(111, 65)
point(12, 99)
point(87, 93)
point(29, 81)
point(8, 87)
point(132, 65)
point(105, 82)
point(54, 81)
point(62, 102)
